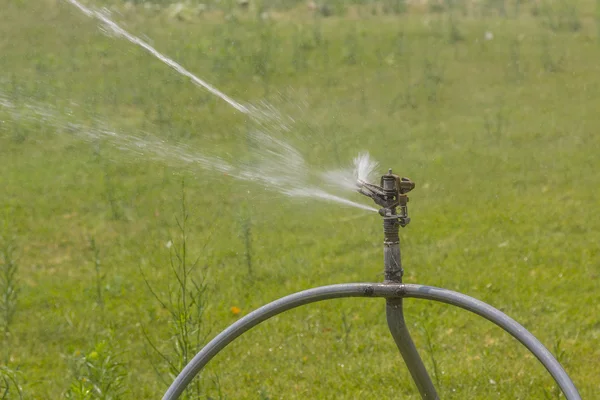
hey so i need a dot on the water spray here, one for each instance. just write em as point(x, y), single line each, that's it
point(279, 153)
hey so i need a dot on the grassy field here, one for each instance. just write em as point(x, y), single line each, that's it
point(491, 108)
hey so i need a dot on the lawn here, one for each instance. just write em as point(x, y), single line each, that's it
point(124, 249)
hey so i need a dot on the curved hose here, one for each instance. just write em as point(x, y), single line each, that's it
point(373, 290)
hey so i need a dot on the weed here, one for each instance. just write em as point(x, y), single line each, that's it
point(9, 288)
point(351, 48)
point(394, 7)
point(335, 145)
point(406, 98)
point(364, 102)
point(560, 16)
point(548, 61)
point(432, 78)
point(454, 33)
point(570, 16)
point(597, 19)
point(99, 277)
point(110, 192)
point(262, 58)
point(97, 375)
point(300, 47)
point(216, 381)
point(495, 123)
point(561, 356)
point(346, 328)
point(185, 304)
point(434, 362)
point(10, 387)
point(515, 72)
point(247, 237)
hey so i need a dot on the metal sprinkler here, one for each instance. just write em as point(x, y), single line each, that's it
point(391, 196)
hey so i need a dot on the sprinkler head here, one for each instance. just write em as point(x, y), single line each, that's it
point(391, 193)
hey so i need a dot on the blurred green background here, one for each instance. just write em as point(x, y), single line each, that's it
point(491, 107)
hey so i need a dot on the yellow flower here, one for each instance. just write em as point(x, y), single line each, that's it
point(235, 310)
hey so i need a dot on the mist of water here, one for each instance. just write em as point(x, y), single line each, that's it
point(364, 169)
point(279, 165)
point(291, 181)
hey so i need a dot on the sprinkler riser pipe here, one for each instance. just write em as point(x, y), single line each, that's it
point(392, 262)
point(391, 227)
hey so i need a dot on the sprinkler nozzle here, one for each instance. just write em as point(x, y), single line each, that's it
point(391, 193)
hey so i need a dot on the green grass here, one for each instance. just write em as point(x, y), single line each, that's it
point(502, 145)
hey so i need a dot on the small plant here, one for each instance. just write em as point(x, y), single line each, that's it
point(9, 290)
point(495, 7)
point(217, 386)
point(99, 277)
point(548, 61)
point(406, 98)
point(110, 195)
point(431, 351)
point(515, 72)
point(432, 79)
point(400, 44)
point(185, 305)
point(454, 34)
point(560, 355)
point(351, 47)
point(549, 20)
point(97, 375)
point(347, 328)
point(562, 17)
point(570, 20)
point(263, 66)
point(247, 235)
point(394, 7)
point(335, 145)
point(325, 53)
point(300, 47)
point(364, 101)
point(15, 90)
point(115, 209)
point(597, 18)
point(317, 30)
point(9, 384)
point(496, 123)
point(18, 133)
point(436, 7)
